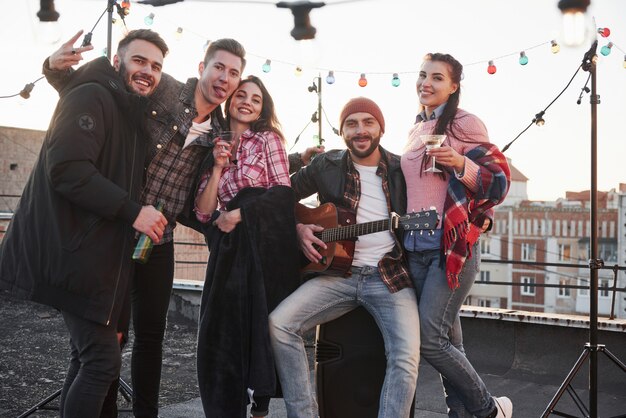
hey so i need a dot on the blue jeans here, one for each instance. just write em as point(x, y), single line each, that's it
point(441, 334)
point(325, 298)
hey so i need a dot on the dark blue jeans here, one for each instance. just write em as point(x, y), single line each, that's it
point(95, 363)
point(150, 298)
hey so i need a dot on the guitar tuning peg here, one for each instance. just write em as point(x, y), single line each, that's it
point(422, 232)
point(433, 208)
point(431, 232)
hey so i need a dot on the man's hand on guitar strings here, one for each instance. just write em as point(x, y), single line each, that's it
point(308, 241)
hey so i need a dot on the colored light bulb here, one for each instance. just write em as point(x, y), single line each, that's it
point(179, 34)
point(523, 59)
point(606, 49)
point(330, 78)
point(555, 47)
point(267, 66)
point(624, 61)
point(395, 80)
point(604, 32)
point(491, 68)
point(149, 20)
point(362, 80)
point(298, 71)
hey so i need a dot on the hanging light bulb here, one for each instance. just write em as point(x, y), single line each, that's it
point(573, 21)
point(539, 121)
point(555, 47)
point(624, 61)
point(149, 20)
point(362, 80)
point(267, 67)
point(523, 59)
point(125, 7)
point(395, 80)
point(298, 71)
point(25, 93)
point(49, 30)
point(330, 78)
point(604, 32)
point(606, 49)
point(491, 68)
point(179, 33)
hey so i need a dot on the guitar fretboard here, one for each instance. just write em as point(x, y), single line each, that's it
point(352, 231)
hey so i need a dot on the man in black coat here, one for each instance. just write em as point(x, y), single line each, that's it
point(69, 244)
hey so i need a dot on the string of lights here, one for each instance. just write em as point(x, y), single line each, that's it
point(123, 9)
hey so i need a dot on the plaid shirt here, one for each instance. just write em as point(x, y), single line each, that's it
point(392, 266)
point(170, 176)
point(261, 162)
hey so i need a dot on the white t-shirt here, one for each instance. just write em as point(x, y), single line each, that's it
point(370, 248)
point(196, 130)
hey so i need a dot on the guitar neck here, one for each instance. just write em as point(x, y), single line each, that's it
point(352, 231)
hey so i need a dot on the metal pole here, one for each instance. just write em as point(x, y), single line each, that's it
point(110, 3)
point(319, 109)
point(593, 263)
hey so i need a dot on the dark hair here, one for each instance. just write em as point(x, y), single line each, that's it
point(267, 120)
point(444, 122)
point(228, 45)
point(145, 35)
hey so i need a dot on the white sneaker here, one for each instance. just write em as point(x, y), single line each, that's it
point(504, 407)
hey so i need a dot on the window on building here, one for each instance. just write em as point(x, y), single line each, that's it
point(484, 303)
point(563, 291)
point(485, 276)
point(529, 252)
point(608, 251)
point(485, 245)
point(528, 286)
point(603, 288)
point(564, 252)
point(585, 290)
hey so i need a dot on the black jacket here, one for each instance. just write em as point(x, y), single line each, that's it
point(69, 244)
point(326, 175)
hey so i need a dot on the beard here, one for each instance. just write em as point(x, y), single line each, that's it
point(125, 77)
point(360, 153)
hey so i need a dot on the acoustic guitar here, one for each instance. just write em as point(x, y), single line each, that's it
point(341, 231)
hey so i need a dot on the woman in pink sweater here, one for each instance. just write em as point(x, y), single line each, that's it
point(474, 177)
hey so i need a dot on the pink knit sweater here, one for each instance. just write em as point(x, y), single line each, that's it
point(430, 189)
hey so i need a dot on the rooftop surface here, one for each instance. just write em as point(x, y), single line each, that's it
point(33, 355)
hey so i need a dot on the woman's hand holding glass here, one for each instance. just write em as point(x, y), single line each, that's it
point(222, 151)
point(447, 157)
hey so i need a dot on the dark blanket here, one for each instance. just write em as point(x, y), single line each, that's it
point(250, 270)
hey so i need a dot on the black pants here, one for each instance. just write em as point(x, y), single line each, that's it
point(150, 297)
point(94, 366)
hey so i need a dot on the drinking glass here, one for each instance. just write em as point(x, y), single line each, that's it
point(430, 142)
point(226, 136)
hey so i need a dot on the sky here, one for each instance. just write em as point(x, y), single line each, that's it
point(377, 38)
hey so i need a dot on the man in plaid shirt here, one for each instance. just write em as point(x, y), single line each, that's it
point(366, 179)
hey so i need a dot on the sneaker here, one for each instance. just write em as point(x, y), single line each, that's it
point(504, 406)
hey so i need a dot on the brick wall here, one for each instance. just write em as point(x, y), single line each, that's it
point(20, 148)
